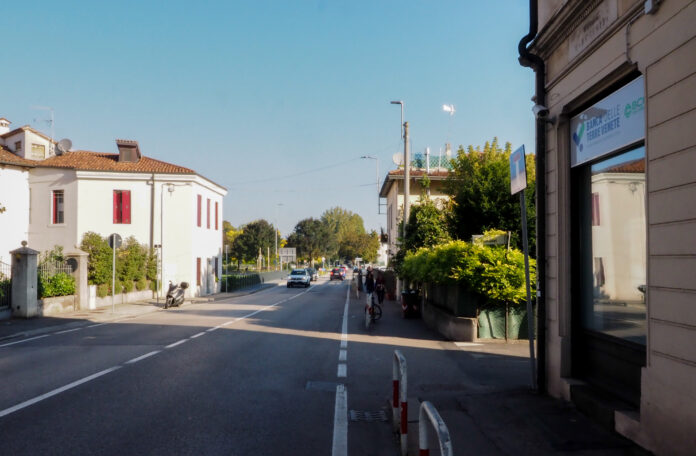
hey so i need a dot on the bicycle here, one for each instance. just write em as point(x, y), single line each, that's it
point(373, 312)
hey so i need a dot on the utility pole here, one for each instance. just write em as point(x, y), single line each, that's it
point(407, 178)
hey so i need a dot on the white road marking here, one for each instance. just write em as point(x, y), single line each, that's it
point(140, 358)
point(68, 331)
point(98, 324)
point(342, 355)
point(466, 344)
point(177, 343)
point(24, 340)
point(340, 435)
point(342, 370)
point(56, 391)
point(197, 335)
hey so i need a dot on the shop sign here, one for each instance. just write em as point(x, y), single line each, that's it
point(615, 122)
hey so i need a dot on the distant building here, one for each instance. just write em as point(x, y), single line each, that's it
point(53, 199)
point(393, 191)
point(618, 287)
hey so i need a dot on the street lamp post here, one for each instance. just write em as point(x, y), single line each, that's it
point(407, 166)
point(275, 235)
point(376, 159)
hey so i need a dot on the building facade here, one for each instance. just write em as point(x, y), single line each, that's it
point(619, 145)
point(56, 199)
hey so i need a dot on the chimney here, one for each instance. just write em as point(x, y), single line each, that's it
point(4, 125)
point(128, 151)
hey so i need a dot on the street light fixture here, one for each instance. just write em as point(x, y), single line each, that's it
point(370, 157)
point(407, 167)
point(402, 115)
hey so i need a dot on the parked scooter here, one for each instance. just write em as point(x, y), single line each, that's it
point(175, 294)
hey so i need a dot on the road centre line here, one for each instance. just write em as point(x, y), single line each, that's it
point(56, 391)
point(342, 370)
point(342, 355)
point(98, 324)
point(24, 340)
point(179, 342)
point(140, 358)
point(69, 331)
point(89, 378)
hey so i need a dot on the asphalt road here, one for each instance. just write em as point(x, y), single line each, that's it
point(263, 374)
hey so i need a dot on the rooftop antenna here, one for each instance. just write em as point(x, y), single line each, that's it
point(51, 121)
point(63, 146)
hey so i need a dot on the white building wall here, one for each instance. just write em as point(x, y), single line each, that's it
point(43, 233)
point(207, 242)
point(14, 222)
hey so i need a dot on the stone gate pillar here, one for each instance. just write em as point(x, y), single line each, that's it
point(77, 259)
point(24, 282)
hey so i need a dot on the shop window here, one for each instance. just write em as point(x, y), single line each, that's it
point(58, 207)
point(122, 206)
point(613, 301)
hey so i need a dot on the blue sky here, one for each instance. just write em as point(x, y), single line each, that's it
point(254, 94)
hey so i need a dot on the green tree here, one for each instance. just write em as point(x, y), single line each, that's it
point(363, 245)
point(256, 235)
point(310, 238)
point(341, 223)
point(427, 226)
point(479, 185)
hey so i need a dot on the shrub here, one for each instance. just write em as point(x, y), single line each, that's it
point(141, 284)
point(100, 258)
point(128, 286)
point(153, 286)
point(118, 288)
point(61, 284)
point(103, 290)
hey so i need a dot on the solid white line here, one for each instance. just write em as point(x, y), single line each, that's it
point(24, 340)
point(56, 391)
point(340, 435)
point(197, 335)
point(68, 331)
point(177, 343)
point(140, 358)
point(98, 324)
point(342, 355)
point(342, 370)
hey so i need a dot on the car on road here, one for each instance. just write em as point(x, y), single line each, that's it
point(337, 274)
point(299, 277)
point(313, 276)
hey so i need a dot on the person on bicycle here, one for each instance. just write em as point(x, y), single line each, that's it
point(369, 284)
point(380, 288)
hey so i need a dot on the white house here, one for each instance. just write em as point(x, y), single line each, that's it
point(160, 204)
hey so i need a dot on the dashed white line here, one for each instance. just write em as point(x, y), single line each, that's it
point(197, 335)
point(342, 355)
point(342, 370)
point(56, 391)
point(340, 434)
point(140, 358)
point(24, 340)
point(177, 343)
point(98, 324)
point(68, 331)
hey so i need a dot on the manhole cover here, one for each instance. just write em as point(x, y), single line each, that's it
point(358, 415)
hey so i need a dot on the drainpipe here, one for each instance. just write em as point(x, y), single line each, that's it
point(152, 214)
point(536, 63)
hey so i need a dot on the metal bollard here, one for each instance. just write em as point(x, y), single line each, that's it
point(428, 410)
point(399, 400)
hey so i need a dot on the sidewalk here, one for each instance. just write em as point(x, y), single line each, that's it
point(481, 391)
point(29, 327)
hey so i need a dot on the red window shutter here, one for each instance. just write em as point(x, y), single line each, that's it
point(198, 270)
point(116, 211)
point(199, 210)
point(125, 206)
point(207, 213)
point(216, 215)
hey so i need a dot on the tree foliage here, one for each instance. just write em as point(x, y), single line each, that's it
point(427, 226)
point(256, 235)
point(480, 188)
point(311, 238)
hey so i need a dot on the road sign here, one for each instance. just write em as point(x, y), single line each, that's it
point(115, 239)
point(518, 171)
point(287, 254)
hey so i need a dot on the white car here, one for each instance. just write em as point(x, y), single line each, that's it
point(299, 277)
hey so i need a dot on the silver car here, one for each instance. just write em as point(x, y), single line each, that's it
point(299, 277)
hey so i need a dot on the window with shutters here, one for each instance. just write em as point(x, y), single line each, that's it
point(199, 210)
point(198, 271)
point(57, 207)
point(122, 206)
point(216, 215)
point(207, 213)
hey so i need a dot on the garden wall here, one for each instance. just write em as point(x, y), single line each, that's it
point(121, 298)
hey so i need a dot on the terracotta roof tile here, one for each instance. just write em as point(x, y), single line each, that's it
point(98, 161)
point(9, 158)
point(635, 166)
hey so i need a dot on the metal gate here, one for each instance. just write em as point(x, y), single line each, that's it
point(5, 285)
